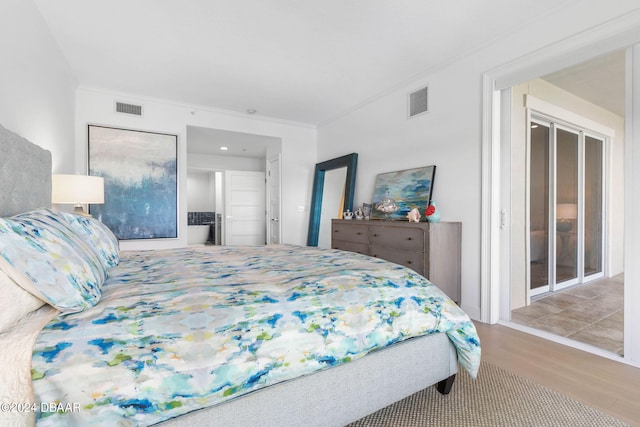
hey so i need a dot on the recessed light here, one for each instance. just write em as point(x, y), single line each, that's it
point(251, 111)
point(223, 148)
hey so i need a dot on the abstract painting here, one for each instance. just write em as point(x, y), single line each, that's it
point(140, 181)
point(411, 188)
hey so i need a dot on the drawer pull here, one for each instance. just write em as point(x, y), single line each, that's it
point(409, 238)
point(409, 262)
point(359, 233)
point(375, 235)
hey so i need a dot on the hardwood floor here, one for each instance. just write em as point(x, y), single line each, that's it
point(605, 384)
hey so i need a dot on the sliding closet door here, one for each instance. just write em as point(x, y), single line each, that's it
point(539, 155)
point(566, 188)
point(593, 206)
point(566, 206)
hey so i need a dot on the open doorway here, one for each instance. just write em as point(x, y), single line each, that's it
point(567, 190)
point(220, 163)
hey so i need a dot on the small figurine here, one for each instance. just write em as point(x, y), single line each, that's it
point(414, 215)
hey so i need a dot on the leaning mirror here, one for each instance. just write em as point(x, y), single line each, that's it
point(332, 203)
point(340, 190)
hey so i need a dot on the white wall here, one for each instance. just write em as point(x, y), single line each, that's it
point(614, 181)
point(450, 135)
point(298, 151)
point(201, 192)
point(37, 87)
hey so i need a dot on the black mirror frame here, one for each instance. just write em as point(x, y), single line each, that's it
point(351, 162)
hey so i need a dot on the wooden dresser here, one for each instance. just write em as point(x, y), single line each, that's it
point(431, 249)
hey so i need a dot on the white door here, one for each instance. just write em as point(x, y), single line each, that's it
point(273, 212)
point(244, 208)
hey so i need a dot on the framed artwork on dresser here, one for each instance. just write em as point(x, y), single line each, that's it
point(140, 181)
point(408, 189)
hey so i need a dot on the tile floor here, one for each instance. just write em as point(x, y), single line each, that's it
point(591, 313)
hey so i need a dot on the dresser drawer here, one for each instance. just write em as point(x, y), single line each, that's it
point(343, 245)
point(411, 239)
point(350, 232)
point(413, 260)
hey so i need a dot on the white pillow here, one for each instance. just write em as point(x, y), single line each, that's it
point(15, 302)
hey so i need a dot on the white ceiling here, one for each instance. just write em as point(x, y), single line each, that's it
point(301, 60)
point(208, 141)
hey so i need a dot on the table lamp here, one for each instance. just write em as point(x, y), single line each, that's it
point(77, 190)
point(566, 214)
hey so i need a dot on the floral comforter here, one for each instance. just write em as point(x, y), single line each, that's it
point(178, 330)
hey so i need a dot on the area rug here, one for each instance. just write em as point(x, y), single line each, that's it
point(496, 398)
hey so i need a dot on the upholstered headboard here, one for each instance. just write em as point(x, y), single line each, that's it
point(25, 174)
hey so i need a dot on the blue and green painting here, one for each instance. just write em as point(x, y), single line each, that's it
point(140, 182)
point(410, 188)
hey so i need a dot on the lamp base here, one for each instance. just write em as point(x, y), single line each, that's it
point(79, 210)
point(564, 225)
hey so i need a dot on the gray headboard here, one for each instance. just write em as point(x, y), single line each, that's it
point(25, 175)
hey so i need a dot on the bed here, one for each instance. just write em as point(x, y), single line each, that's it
point(276, 335)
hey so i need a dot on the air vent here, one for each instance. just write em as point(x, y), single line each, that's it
point(418, 102)
point(125, 108)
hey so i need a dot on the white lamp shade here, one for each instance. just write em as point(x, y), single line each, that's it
point(567, 211)
point(77, 189)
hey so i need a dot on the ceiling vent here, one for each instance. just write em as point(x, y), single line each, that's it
point(122, 107)
point(418, 102)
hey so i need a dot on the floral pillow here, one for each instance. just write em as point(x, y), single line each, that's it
point(98, 236)
point(47, 262)
point(57, 222)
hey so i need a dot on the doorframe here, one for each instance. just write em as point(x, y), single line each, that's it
point(617, 34)
point(269, 216)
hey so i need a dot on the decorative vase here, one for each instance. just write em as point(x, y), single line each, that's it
point(433, 212)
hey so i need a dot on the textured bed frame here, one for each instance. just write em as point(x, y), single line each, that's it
point(332, 397)
point(25, 175)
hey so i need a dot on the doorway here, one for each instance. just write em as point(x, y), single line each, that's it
point(566, 199)
point(239, 161)
point(203, 190)
point(498, 224)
